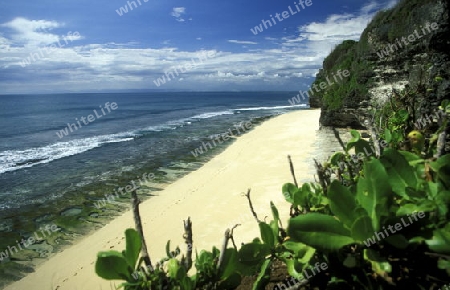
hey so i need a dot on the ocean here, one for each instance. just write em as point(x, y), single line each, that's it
point(61, 154)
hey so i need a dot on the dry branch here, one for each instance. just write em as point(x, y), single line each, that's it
point(138, 224)
point(251, 206)
point(231, 235)
point(338, 137)
point(188, 240)
point(441, 144)
point(374, 135)
point(321, 175)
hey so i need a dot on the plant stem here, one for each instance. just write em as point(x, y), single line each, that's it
point(291, 166)
point(224, 248)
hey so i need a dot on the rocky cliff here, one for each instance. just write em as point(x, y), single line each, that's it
point(407, 46)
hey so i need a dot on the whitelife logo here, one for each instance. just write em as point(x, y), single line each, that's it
point(291, 282)
point(49, 49)
point(202, 57)
point(284, 15)
point(398, 227)
point(48, 230)
point(323, 85)
point(222, 138)
point(123, 10)
point(110, 198)
point(391, 48)
point(90, 118)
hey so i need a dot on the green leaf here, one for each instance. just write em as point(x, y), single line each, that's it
point(360, 145)
point(374, 255)
point(355, 138)
point(403, 115)
point(232, 282)
point(440, 243)
point(267, 234)
point(412, 158)
point(172, 268)
point(301, 198)
point(230, 263)
point(251, 256)
point(343, 203)
point(111, 265)
point(362, 228)
point(300, 251)
point(401, 174)
point(288, 192)
point(444, 264)
point(350, 262)
point(176, 270)
point(336, 158)
point(442, 167)
point(387, 136)
point(399, 241)
point(276, 215)
point(187, 283)
point(274, 224)
point(263, 277)
point(133, 247)
point(182, 273)
point(275, 229)
point(295, 267)
point(374, 192)
point(409, 208)
point(381, 268)
point(319, 231)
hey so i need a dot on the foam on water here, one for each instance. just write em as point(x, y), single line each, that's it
point(12, 160)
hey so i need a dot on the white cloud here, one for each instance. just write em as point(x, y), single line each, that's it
point(178, 12)
point(241, 41)
point(32, 32)
point(288, 63)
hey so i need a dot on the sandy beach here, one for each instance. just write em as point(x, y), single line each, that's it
point(211, 196)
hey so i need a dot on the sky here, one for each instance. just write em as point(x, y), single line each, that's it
point(58, 46)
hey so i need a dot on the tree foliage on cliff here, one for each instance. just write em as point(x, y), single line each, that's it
point(349, 91)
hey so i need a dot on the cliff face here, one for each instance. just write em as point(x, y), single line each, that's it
point(406, 46)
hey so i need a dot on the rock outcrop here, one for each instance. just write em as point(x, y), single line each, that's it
point(406, 46)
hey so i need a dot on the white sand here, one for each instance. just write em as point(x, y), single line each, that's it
point(211, 196)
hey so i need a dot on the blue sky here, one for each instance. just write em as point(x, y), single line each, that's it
point(49, 46)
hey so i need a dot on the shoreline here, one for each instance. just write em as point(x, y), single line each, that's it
point(209, 195)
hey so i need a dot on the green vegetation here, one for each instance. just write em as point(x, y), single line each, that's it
point(360, 58)
point(352, 90)
point(341, 231)
point(398, 21)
